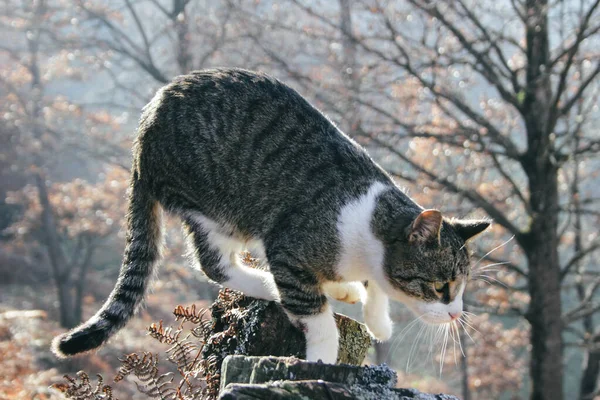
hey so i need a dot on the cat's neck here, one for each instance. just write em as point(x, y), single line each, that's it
point(363, 224)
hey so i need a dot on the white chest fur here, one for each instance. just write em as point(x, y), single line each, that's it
point(362, 253)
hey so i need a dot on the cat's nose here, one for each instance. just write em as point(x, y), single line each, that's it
point(455, 315)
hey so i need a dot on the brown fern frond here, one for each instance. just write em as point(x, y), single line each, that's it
point(202, 330)
point(189, 314)
point(143, 367)
point(146, 370)
point(163, 335)
point(161, 388)
point(189, 389)
point(83, 389)
point(183, 353)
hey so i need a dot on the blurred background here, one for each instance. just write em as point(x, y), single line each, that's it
point(479, 108)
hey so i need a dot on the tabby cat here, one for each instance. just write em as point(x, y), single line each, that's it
point(247, 163)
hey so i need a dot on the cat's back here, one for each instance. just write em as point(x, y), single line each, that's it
point(232, 132)
point(226, 102)
point(224, 90)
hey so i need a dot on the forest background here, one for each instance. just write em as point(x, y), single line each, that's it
point(479, 108)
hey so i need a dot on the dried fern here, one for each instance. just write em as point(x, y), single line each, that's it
point(83, 389)
point(164, 335)
point(185, 352)
point(189, 314)
point(145, 370)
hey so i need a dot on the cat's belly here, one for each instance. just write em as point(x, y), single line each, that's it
point(227, 238)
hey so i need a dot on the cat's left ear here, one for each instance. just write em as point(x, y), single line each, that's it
point(469, 228)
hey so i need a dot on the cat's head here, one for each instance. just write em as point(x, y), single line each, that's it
point(427, 264)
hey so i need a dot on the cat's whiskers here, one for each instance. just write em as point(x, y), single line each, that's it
point(455, 340)
point(443, 350)
point(462, 323)
point(400, 336)
point(434, 339)
point(414, 346)
point(491, 251)
point(489, 280)
point(488, 266)
point(456, 328)
point(470, 326)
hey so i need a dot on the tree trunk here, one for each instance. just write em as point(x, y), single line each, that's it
point(591, 370)
point(68, 317)
point(350, 75)
point(540, 243)
point(544, 315)
point(180, 21)
point(58, 261)
point(464, 367)
point(81, 279)
point(544, 312)
point(591, 360)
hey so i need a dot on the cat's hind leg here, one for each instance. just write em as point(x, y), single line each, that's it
point(348, 292)
point(218, 254)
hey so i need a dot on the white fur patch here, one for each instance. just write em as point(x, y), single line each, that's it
point(322, 336)
point(361, 250)
point(252, 282)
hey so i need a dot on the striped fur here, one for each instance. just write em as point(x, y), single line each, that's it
point(248, 163)
point(142, 252)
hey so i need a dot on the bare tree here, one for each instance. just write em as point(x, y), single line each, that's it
point(517, 130)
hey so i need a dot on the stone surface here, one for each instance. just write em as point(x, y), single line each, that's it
point(243, 369)
point(244, 377)
point(354, 340)
point(243, 325)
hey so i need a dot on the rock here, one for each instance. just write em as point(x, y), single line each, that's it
point(244, 369)
point(267, 378)
point(354, 340)
point(243, 325)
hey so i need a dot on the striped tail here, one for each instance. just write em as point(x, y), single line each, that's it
point(142, 252)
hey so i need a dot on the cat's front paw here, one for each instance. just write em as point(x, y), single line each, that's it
point(348, 292)
point(326, 351)
point(379, 326)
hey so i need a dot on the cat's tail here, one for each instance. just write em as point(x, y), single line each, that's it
point(142, 252)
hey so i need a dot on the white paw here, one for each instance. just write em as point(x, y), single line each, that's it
point(271, 291)
point(379, 326)
point(326, 350)
point(321, 336)
point(348, 292)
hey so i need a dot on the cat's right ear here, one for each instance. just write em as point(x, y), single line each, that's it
point(426, 227)
point(468, 229)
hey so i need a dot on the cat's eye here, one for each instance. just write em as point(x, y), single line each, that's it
point(440, 286)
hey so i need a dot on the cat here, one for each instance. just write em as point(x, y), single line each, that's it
point(246, 162)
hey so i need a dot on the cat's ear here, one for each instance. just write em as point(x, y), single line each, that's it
point(426, 227)
point(467, 229)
